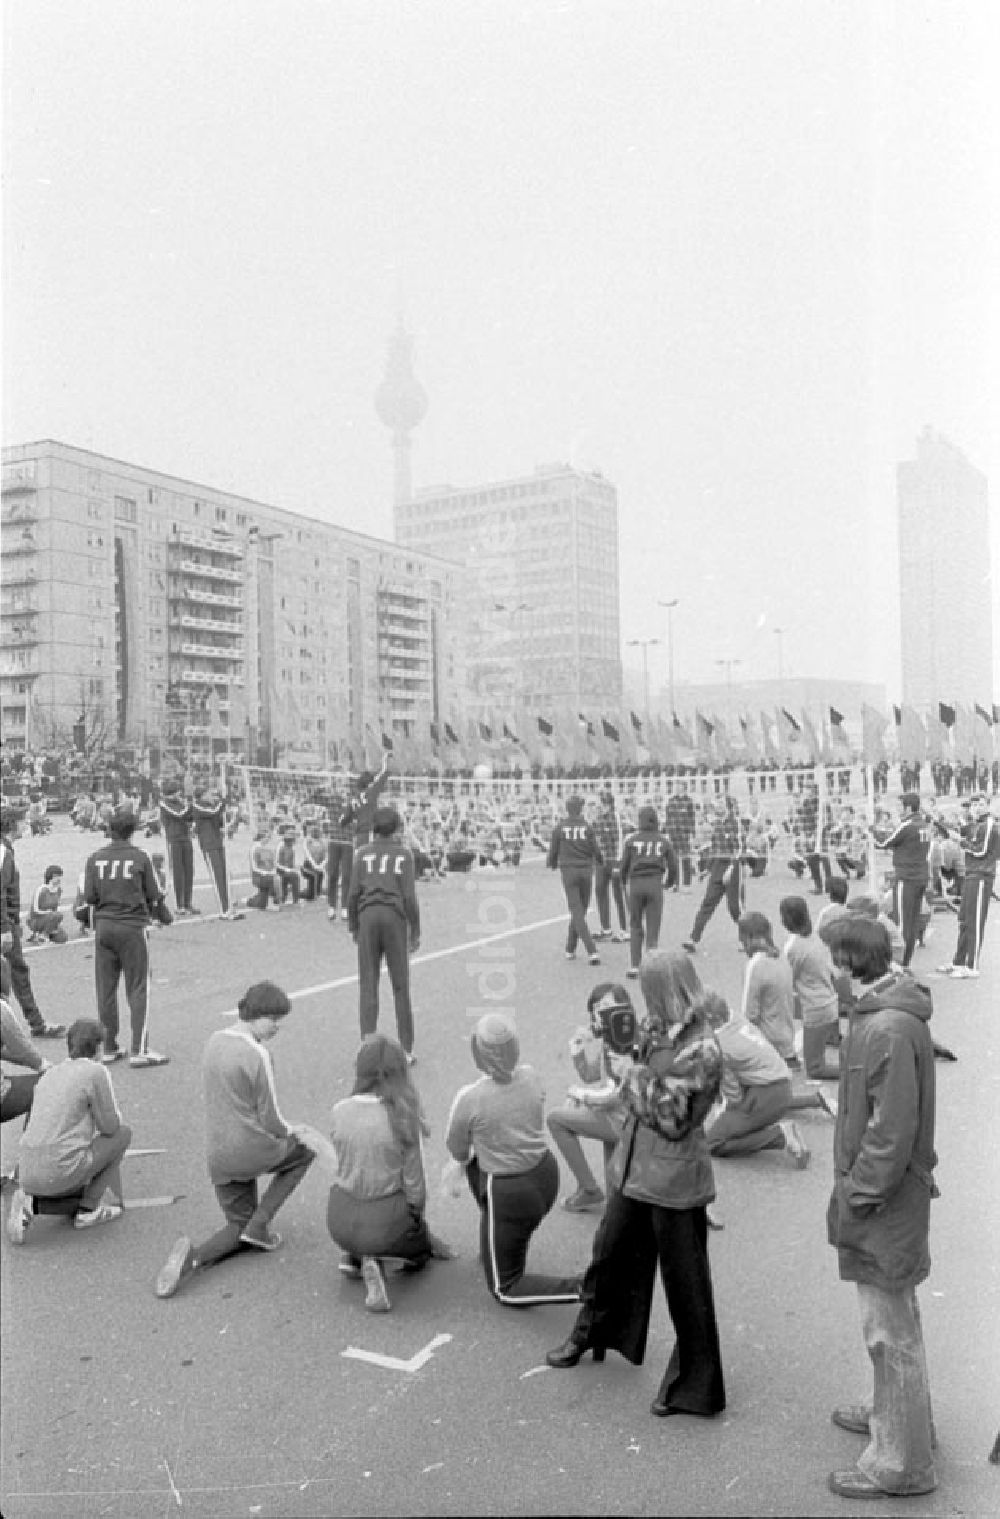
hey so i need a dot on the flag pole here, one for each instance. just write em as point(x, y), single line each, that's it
point(872, 849)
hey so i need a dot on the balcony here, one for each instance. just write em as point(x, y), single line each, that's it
point(208, 625)
point(203, 598)
point(211, 651)
point(22, 542)
point(208, 541)
point(207, 571)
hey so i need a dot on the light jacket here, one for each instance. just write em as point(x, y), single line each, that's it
point(883, 1147)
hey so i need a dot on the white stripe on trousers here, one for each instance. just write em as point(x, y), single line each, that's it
point(503, 1297)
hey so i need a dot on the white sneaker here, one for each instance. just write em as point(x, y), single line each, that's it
point(946, 970)
point(19, 1217)
point(795, 1144)
point(331, 913)
point(377, 1296)
point(343, 913)
point(964, 973)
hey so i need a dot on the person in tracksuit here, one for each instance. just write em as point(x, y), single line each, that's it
point(121, 887)
point(679, 824)
point(209, 813)
point(384, 920)
point(981, 842)
point(574, 851)
point(175, 817)
point(647, 858)
point(725, 878)
point(910, 843)
point(10, 930)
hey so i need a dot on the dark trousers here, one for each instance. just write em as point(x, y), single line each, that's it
point(312, 881)
point(510, 1210)
point(288, 885)
point(645, 911)
point(265, 889)
point(181, 856)
point(724, 880)
point(907, 900)
point(382, 934)
point(215, 859)
point(238, 1201)
point(609, 882)
point(577, 882)
point(339, 859)
point(972, 913)
point(121, 949)
point(17, 1100)
point(819, 869)
point(21, 981)
point(617, 1297)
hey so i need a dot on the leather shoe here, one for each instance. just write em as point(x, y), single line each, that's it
point(854, 1484)
point(571, 1352)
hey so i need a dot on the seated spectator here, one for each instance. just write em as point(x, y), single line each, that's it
point(44, 921)
point(601, 1054)
point(378, 1199)
point(263, 870)
point(756, 1090)
point(73, 1142)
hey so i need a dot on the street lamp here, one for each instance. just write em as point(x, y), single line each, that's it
point(643, 644)
point(669, 605)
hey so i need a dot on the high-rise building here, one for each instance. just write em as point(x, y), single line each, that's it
point(152, 611)
point(539, 583)
point(946, 592)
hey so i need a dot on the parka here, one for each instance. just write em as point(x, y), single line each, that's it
point(883, 1149)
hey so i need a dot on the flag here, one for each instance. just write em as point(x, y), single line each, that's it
point(946, 714)
point(636, 722)
point(810, 738)
point(982, 728)
point(750, 743)
point(544, 726)
point(982, 712)
point(911, 736)
point(793, 722)
point(451, 735)
point(704, 730)
point(586, 724)
point(610, 731)
point(996, 713)
point(789, 729)
point(772, 750)
point(965, 736)
point(723, 746)
point(681, 733)
point(873, 726)
point(836, 718)
point(435, 734)
point(485, 732)
point(386, 742)
point(838, 734)
point(897, 713)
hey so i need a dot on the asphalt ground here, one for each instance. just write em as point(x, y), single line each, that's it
point(237, 1396)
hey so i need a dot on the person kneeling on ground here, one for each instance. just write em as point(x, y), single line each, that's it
point(247, 1138)
point(756, 1090)
point(16, 1048)
point(378, 1199)
point(595, 1110)
point(73, 1141)
point(496, 1133)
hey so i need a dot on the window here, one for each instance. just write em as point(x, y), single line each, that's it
point(94, 511)
point(220, 514)
point(126, 509)
point(95, 540)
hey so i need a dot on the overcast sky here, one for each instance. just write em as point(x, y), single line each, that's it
point(734, 255)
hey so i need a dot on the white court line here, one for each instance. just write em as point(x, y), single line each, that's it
point(436, 954)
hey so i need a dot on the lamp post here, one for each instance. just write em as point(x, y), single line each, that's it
point(669, 606)
point(643, 644)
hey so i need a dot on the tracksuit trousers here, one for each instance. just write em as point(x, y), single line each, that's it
point(121, 949)
point(383, 934)
point(510, 1210)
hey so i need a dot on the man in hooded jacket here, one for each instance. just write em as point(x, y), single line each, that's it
point(879, 1214)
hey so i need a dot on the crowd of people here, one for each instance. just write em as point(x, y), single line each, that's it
point(831, 1021)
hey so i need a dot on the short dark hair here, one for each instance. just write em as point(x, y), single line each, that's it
point(52, 870)
point(837, 889)
point(265, 999)
point(754, 928)
point(860, 945)
point(385, 821)
point(84, 1038)
point(910, 800)
point(794, 914)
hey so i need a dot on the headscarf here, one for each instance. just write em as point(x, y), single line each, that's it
point(495, 1047)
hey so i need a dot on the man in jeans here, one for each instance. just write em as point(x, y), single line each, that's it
point(608, 880)
point(879, 1214)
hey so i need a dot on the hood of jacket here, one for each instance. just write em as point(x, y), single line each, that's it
point(897, 990)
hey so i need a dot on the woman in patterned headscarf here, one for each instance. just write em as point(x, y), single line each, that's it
point(661, 1175)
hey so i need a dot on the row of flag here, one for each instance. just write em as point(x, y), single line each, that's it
point(958, 735)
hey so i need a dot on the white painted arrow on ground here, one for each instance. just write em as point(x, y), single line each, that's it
point(393, 1363)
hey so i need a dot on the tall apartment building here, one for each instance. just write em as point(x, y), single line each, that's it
point(163, 612)
point(946, 593)
point(540, 583)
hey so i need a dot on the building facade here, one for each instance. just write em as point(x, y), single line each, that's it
point(150, 611)
point(946, 592)
point(539, 588)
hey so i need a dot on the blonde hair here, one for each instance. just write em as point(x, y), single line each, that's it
point(670, 985)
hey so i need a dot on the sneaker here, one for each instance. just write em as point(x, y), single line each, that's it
point(49, 1031)
point(376, 1295)
point(594, 960)
point(946, 970)
point(411, 1058)
point(584, 1200)
point(602, 933)
point(331, 913)
point(343, 913)
point(571, 954)
point(110, 1056)
point(827, 1103)
point(261, 1239)
point(632, 974)
point(19, 1217)
point(963, 973)
point(621, 937)
point(178, 1265)
point(147, 1058)
point(713, 1218)
point(104, 1213)
point(796, 1145)
point(193, 912)
point(350, 1265)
